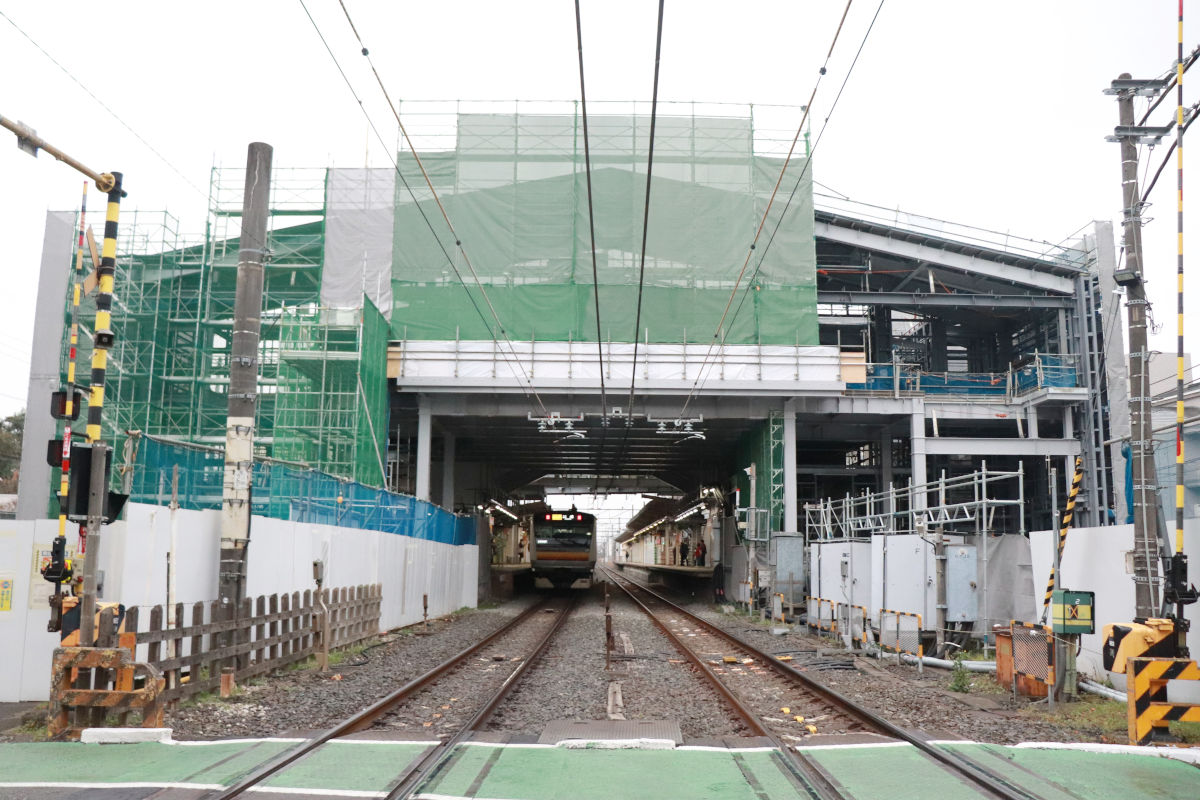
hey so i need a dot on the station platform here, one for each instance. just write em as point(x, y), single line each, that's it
point(693, 572)
point(366, 766)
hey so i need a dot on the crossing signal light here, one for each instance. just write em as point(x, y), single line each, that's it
point(58, 404)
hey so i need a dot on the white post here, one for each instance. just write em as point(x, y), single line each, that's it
point(790, 507)
point(424, 448)
point(448, 471)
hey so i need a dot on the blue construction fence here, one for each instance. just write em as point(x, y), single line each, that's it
point(286, 491)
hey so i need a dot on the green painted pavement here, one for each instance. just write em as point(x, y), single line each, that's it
point(551, 773)
point(356, 765)
point(554, 773)
point(1080, 775)
point(149, 762)
point(895, 773)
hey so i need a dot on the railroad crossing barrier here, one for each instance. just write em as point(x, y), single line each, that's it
point(852, 624)
point(821, 615)
point(1149, 710)
point(900, 632)
point(1032, 658)
point(91, 706)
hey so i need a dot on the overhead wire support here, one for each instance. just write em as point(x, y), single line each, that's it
point(719, 335)
point(511, 357)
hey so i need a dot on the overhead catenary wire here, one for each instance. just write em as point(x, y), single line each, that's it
point(587, 168)
point(722, 331)
point(587, 165)
point(623, 448)
point(511, 358)
point(718, 336)
point(637, 323)
point(1190, 117)
point(442, 208)
point(104, 105)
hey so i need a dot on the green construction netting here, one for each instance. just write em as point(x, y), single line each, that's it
point(516, 190)
point(331, 401)
point(763, 447)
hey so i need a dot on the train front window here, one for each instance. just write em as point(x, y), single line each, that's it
point(563, 536)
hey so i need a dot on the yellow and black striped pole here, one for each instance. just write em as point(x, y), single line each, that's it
point(1068, 515)
point(69, 402)
point(1179, 126)
point(102, 340)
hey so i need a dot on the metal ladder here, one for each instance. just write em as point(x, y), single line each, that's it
point(1090, 348)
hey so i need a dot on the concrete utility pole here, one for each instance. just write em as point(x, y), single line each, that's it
point(1145, 476)
point(243, 376)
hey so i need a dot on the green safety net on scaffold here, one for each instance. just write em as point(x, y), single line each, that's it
point(516, 189)
point(331, 399)
point(286, 491)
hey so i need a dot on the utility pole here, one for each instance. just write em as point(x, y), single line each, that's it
point(243, 378)
point(1146, 527)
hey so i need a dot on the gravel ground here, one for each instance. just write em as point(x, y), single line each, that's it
point(902, 695)
point(570, 681)
point(304, 700)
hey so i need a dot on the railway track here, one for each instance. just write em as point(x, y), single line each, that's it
point(750, 679)
point(498, 662)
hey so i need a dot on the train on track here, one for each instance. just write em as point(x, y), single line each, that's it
point(562, 548)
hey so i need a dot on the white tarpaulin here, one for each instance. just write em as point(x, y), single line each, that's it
point(359, 221)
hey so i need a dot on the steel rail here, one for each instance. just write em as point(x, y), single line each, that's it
point(972, 770)
point(367, 716)
point(435, 759)
point(815, 781)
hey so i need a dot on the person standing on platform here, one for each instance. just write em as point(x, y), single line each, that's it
point(701, 550)
point(683, 552)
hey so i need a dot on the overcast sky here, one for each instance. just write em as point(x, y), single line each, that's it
point(986, 113)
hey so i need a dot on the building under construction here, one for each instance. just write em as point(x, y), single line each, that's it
point(852, 352)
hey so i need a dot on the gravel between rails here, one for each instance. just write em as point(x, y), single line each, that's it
point(444, 707)
point(570, 681)
point(304, 700)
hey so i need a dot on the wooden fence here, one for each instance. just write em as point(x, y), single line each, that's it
point(265, 634)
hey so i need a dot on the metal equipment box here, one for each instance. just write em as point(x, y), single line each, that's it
point(1072, 612)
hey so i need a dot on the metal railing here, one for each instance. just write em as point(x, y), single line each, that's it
point(1042, 371)
point(963, 503)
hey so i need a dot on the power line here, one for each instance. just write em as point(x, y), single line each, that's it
point(722, 332)
point(587, 162)
point(429, 224)
point(719, 335)
point(1191, 117)
point(587, 166)
point(445, 216)
point(637, 324)
point(102, 104)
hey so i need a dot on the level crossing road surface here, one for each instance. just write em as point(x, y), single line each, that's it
point(364, 766)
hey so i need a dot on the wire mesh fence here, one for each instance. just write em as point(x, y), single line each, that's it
point(900, 632)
